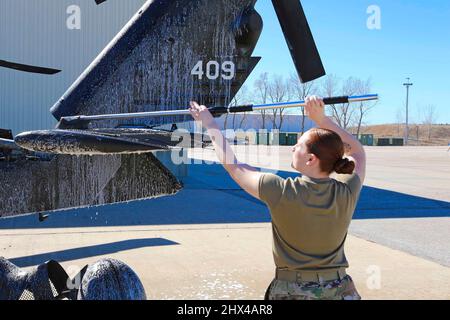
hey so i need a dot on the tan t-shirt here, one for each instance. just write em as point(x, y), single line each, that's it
point(310, 219)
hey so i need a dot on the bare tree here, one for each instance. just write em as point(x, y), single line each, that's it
point(240, 98)
point(400, 119)
point(346, 111)
point(225, 121)
point(262, 94)
point(278, 92)
point(429, 115)
point(330, 88)
point(363, 108)
point(342, 114)
point(300, 91)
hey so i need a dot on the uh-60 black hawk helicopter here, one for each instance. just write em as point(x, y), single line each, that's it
point(170, 53)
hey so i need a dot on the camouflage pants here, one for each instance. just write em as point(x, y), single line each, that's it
point(333, 290)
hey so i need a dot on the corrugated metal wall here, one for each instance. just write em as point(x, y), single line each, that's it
point(35, 32)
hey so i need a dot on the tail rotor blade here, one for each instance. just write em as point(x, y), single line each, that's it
point(27, 68)
point(299, 39)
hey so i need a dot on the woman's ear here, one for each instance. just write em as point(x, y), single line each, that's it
point(311, 159)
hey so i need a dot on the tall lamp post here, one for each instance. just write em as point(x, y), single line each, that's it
point(407, 85)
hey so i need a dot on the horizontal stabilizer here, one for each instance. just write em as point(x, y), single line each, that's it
point(104, 141)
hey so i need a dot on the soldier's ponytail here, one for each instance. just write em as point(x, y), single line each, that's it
point(327, 145)
point(344, 166)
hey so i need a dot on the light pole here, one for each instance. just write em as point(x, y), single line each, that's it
point(407, 85)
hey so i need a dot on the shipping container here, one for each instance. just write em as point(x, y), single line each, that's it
point(283, 138)
point(366, 139)
point(383, 142)
point(263, 138)
point(292, 139)
point(398, 142)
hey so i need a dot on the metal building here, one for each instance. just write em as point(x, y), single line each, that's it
point(61, 34)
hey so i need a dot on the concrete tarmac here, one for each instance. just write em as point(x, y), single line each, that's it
point(212, 241)
point(405, 203)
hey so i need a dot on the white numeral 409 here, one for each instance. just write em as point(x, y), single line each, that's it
point(214, 70)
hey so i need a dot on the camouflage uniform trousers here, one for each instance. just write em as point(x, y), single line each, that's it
point(331, 290)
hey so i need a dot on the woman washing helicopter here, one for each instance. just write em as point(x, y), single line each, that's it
point(310, 214)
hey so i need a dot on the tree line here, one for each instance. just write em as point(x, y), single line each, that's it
point(276, 88)
point(425, 115)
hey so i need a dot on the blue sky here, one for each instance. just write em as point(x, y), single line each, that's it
point(414, 41)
